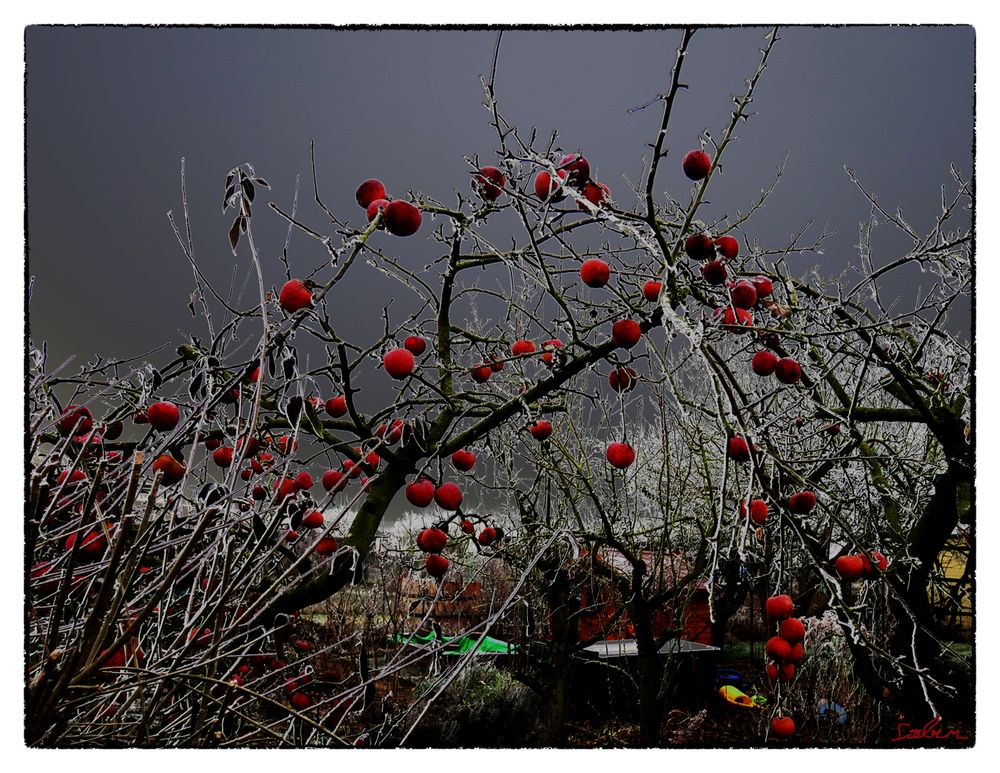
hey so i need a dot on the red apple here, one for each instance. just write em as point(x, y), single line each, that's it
point(620, 455)
point(778, 648)
point(463, 460)
point(849, 567)
point(467, 526)
point(76, 420)
point(576, 167)
point(489, 183)
point(595, 273)
point(763, 286)
point(223, 456)
point(696, 164)
point(481, 373)
point(314, 520)
point(432, 540)
point(763, 363)
point(541, 429)
point(594, 192)
point(626, 333)
point(522, 346)
point(797, 655)
point(623, 379)
point(545, 186)
point(792, 630)
point(487, 536)
point(304, 481)
point(787, 371)
point(415, 345)
point(779, 607)
point(448, 496)
point(325, 547)
point(651, 290)
point(337, 406)
point(802, 502)
point(733, 320)
point(295, 296)
point(743, 295)
point(436, 565)
point(782, 727)
point(379, 205)
point(729, 248)
point(738, 450)
point(163, 416)
point(369, 191)
point(548, 349)
point(715, 272)
point(92, 545)
point(172, 470)
point(758, 511)
point(699, 247)
point(332, 480)
point(398, 363)
point(402, 218)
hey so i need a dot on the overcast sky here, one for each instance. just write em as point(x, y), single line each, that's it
point(111, 111)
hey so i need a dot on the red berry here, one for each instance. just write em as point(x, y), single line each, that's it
point(696, 164)
point(369, 191)
point(802, 502)
point(114, 430)
point(595, 273)
point(620, 455)
point(758, 511)
point(295, 296)
point(163, 416)
point(699, 247)
point(337, 406)
point(738, 450)
point(436, 565)
point(744, 295)
point(623, 379)
point(93, 543)
point(415, 345)
point(733, 320)
point(402, 218)
point(651, 290)
point(398, 363)
point(314, 520)
point(779, 607)
point(788, 371)
point(729, 248)
point(432, 540)
point(76, 420)
point(374, 208)
point(285, 488)
point(489, 183)
point(522, 346)
point(467, 526)
point(463, 460)
point(541, 429)
point(849, 567)
point(545, 186)
point(626, 333)
point(223, 456)
point(576, 167)
point(304, 481)
point(487, 536)
point(448, 496)
point(792, 630)
point(796, 656)
point(763, 363)
point(715, 272)
point(420, 493)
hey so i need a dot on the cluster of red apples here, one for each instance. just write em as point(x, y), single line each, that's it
point(785, 651)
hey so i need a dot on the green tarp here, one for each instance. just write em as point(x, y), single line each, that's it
point(459, 645)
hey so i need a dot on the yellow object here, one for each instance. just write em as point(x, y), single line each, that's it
point(737, 697)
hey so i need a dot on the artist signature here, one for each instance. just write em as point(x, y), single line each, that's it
point(930, 731)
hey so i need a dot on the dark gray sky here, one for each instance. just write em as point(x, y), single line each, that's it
point(112, 110)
